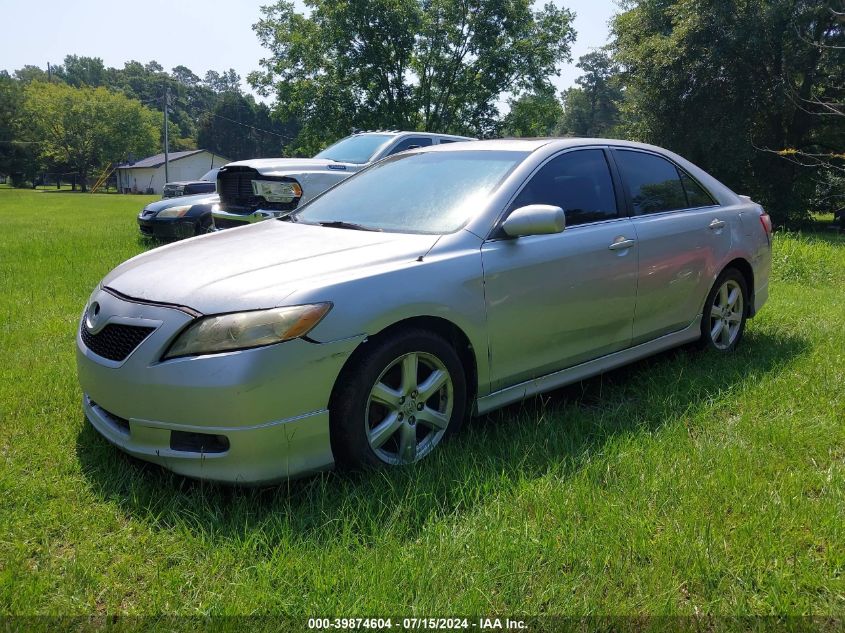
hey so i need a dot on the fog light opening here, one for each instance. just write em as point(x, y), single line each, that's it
point(198, 442)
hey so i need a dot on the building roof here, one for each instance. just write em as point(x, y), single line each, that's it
point(158, 159)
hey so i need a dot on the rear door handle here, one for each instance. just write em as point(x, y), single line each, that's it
point(621, 243)
point(716, 224)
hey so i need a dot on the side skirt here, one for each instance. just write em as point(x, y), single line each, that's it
point(585, 370)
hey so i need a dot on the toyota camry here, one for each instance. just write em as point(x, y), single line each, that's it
point(437, 284)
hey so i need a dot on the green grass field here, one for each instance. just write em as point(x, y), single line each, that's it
point(689, 483)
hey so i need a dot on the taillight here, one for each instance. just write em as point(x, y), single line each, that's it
point(766, 221)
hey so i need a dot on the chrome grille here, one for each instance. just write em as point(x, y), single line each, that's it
point(234, 185)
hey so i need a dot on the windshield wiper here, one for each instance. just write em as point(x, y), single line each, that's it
point(340, 224)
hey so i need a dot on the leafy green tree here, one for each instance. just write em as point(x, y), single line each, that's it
point(184, 76)
point(738, 86)
point(30, 73)
point(225, 82)
point(438, 65)
point(82, 71)
point(239, 128)
point(592, 108)
point(18, 152)
point(85, 128)
point(536, 113)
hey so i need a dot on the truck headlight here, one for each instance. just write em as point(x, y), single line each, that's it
point(275, 191)
point(174, 212)
point(243, 330)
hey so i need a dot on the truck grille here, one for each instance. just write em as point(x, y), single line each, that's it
point(234, 185)
point(115, 341)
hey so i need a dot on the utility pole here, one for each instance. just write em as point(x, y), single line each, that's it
point(166, 150)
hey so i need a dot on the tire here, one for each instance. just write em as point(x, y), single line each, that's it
point(378, 415)
point(725, 312)
point(202, 226)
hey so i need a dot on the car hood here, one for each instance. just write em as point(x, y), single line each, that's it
point(202, 198)
point(260, 265)
point(281, 166)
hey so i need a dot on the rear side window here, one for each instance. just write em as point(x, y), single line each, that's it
point(408, 143)
point(653, 182)
point(578, 182)
point(696, 195)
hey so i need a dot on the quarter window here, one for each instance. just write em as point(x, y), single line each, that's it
point(696, 195)
point(578, 182)
point(653, 182)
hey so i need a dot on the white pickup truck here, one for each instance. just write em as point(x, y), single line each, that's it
point(255, 190)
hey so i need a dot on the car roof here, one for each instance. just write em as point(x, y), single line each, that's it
point(413, 133)
point(552, 145)
point(533, 144)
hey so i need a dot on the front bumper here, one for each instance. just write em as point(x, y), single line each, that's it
point(269, 403)
point(258, 454)
point(229, 220)
point(169, 228)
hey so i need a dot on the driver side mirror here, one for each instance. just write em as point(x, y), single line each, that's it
point(535, 219)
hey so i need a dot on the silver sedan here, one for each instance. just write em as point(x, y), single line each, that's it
point(437, 284)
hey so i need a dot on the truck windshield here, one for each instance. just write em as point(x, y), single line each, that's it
point(357, 149)
point(426, 192)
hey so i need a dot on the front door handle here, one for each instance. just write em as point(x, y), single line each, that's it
point(621, 243)
point(716, 224)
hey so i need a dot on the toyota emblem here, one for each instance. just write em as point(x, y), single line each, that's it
point(92, 315)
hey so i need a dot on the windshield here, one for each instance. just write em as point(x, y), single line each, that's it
point(426, 192)
point(357, 149)
point(210, 175)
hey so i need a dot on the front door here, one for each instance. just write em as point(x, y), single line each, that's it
point(554, 301)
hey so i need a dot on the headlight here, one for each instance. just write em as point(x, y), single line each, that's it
point(175, 212)
point(242, 330)
point(274, 191)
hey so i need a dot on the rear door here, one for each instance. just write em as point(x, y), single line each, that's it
point(682, 234)
point(554, 301)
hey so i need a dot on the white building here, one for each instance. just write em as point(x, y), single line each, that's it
point(147, 175)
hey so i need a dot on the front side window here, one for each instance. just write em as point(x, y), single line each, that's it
point(578, 182)
point(653, 182)
point(358, 149)
point(410, 143)
point(427, 192)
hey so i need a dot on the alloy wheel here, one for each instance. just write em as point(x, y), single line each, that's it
point(409, 408)
point(726, 315)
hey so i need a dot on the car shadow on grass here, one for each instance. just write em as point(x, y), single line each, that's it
point(551, 435)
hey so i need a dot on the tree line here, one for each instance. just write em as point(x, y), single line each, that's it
point(77, 117)
point(751, 90)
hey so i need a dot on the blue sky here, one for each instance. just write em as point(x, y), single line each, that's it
point(200, 34)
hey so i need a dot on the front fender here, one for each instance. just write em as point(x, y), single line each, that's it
point(449, 287)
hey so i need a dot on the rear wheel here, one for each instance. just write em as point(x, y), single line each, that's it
point(398, 400)
point(725, 312)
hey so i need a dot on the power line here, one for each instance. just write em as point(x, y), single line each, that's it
point(257, 129)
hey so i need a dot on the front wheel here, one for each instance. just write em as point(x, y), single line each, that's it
point(398, 400)
point(725, 312)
